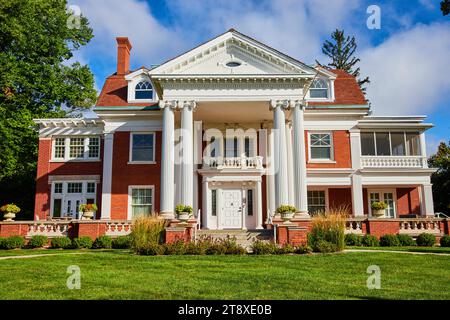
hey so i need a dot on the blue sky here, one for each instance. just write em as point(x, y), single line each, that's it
point(407, 59)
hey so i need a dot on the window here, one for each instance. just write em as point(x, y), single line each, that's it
point(386, 196)
point(76, 148)
point(75, 187)
point(320, 146)
point(141, 201)
point(316, 202)
point(58, 188)
point(248, 147)
point(214, 203)
point(57, 208)
point(90, 187)
point(60, 149)
point(143, 91)
point(231, 147)
point(250, 202)
point(94, 147)
point(79, 148)
point(396, 143)
point(143, 147)
point(367, 144)
point(319, 89)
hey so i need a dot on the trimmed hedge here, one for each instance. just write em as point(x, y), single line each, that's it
point(426, 240)
point(61, 243)
point(353, 239)
point(445, 241)
point(122, 242)
point(37, 241)
point(370, 241)
point(14, 242)
point(389, 240)
point(406, 240)
point(102, 242)
point(82, 243)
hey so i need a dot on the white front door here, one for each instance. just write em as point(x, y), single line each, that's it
point(72, 204)
point(231, 217)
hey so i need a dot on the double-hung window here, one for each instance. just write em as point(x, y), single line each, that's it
point(395, 143)
point(76, 148)
point(316, 202)
point(141, 201)
point(142, 147)
point(321, 145)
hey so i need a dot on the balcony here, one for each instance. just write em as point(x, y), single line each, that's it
point(393, 162)
point(243, 163)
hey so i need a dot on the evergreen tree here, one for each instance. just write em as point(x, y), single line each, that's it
point(341, 49)
point(441, 178)
point(445, 7)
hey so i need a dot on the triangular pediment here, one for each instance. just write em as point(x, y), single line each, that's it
point(233, 53)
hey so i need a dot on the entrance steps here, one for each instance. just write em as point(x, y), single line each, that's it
point(245, 238)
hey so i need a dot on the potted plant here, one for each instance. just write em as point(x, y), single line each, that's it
point(10, 211)
point(183, 212)
point(286, 212)
point(378, 208)
point(88, 210)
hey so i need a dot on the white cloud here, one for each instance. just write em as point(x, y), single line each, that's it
point(432, 143)
point(409, 71)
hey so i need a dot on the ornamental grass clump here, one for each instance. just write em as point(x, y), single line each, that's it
point(147, 233)
point(327, 231)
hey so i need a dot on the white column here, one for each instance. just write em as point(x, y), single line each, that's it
point(259, 212)
point(107, 176)
point(167, 159)
point(427, 206)
point(299, 171)
point(187, 165)
point(290, 164)
point(270, 174)
point(423, 150)
point(357, 189)
point(280, 153)
point(197, 160)
point(205, 204)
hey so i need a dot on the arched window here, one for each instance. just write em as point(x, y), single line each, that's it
point(143, 90)
point(319, 89)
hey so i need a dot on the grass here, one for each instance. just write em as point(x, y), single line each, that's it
point(117, 274)
point(408, 249)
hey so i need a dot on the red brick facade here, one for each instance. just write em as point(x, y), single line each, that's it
point(341, 151)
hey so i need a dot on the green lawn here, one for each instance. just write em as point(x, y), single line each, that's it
point(121, 275)
point(409, 249)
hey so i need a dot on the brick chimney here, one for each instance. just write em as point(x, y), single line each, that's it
point(123, 55)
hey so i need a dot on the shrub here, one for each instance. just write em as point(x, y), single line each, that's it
point(151, 249)
point(389, 240)
point(82, 243)
point(61, 243)
point(426, 240)
point(325, 247)
point(370, 241)
point(37, 241)
point(175, 248)
point(261, 247)
point(286, 249)
point(329, 228)
point(303, 249)
point(146, 231)
point(405, 240)
point(122, 242)
point(197, 248)
point(353, 239)
point(102, 242)
point(445, 241)
point(14, 242)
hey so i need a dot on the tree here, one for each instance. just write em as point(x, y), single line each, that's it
point(445, 7)
point(441, 178)
point(341, 50)
point(36, 81)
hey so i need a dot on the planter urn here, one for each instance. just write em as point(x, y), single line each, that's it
point(287, 216)
point(9, 216)
point(183, 216)
point(378, 213)
point(88, 215)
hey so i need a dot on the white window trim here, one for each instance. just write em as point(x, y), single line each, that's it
point(67, 157)
point(84, 195)
point(330, 92)
point(132, 90)
point(130, 190)
point(310, 159)
point(327, 202)
point(130, 156)
point(381, 191)
point(407, 151)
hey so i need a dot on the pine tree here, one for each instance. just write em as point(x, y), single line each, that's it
point(445, 7)
point(341, 49)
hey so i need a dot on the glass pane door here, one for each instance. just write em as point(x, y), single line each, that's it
point(389, 199)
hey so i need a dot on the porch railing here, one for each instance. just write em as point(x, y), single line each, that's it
point(118, 228)
point(393, 162)
point(415, 227)
point(233, 162)
point(354, 226)
point(48, 229)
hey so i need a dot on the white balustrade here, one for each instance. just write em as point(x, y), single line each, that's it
point(393, 162)
point(353, 226)
point(48, 229)
point(233, 162)
point(118, 228)
point(418, 226)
